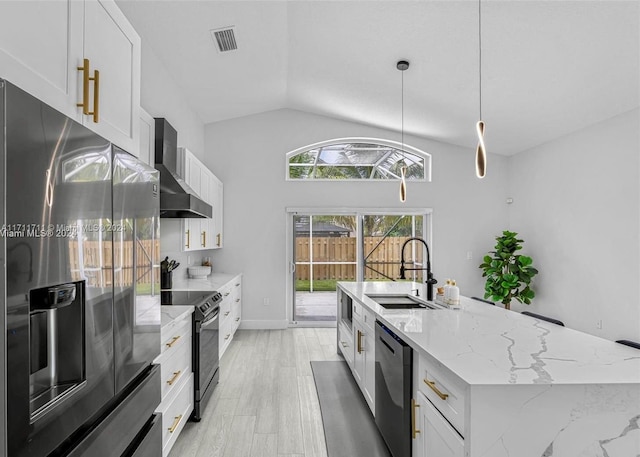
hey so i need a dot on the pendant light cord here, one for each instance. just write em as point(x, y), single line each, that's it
point(480, 54)
point(402, 116)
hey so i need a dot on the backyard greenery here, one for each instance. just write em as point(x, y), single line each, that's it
point(319, 285)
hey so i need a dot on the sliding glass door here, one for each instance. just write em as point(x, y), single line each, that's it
point(324, 252)
point(340, 245)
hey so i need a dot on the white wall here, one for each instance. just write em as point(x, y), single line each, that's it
point(577, 206)
point(248, 155)
point(162, 97)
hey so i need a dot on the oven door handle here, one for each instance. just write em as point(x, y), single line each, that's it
point(211, 319)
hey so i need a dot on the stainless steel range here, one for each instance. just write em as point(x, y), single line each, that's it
point(205, 342)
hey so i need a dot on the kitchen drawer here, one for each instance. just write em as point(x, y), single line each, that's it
point(176, 335)
point(175, 368)
point(446, 393)
point(345, 340)
point(369, 319)
point(176, 413)
point(226, 335)
point(357, 310)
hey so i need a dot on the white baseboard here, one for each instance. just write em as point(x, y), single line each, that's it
point(264, 325)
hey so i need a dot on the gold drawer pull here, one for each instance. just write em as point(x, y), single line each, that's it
point(237, 300)
point(414, 431)
point(96, 96)
point(432, 385)
point(227, 337)
point(173, 341)
point(344, 345)
point(175, 376)
point(188, 237)
point(218, 239)
point(227, 313)
point(359, 342)
point(176, 421)
point(226, 294)
point(237, 284)
point(237, 319)
point(85, 87)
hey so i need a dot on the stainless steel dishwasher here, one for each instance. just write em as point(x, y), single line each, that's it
point(393, 390)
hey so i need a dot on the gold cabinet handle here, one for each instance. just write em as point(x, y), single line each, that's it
point(237, 319)
point(432, 385)
point(176, 421)
point(96, 95)
point(188, 238)
point(204, 239)
point(227, 293)
point(85, 86)
point(414, 431)
point(237, 300)
point(237, 284)
point(359, 342)
point(227, 313)
point(173, 341)
point(227, 337)
point(344, 345)
point(175, 376)
point(218, 239)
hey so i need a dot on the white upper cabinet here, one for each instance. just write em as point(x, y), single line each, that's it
point(112, 47)
point(147, 138)
point(205, 233)
point(40, 48)
point(44, 43)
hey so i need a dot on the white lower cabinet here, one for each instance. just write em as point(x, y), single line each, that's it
point(364, 358)
point(434, 436)
point(230, 312)
point(176, 413)
point(175, 362)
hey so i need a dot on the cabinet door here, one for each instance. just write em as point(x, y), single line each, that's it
point(370, 368)
point(147, 132)
point(217, 201)
point(40, 48)
point(358, 359)
point(113, 48)
point(439, 438)
point(192, 172)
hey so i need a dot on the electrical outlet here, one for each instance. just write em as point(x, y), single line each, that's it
point(265, 301)
point(599, 324)
point(469, 255)
point(188, 260)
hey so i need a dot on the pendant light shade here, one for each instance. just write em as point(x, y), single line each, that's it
point(481, 155)
point(481, 152)
point(403, 65)
point(403, 184)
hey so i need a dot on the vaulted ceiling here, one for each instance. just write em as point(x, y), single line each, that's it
point(548, 67)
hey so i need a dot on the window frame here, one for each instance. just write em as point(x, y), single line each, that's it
point(379, 141)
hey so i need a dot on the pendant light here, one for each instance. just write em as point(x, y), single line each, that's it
point(403, 65)
point(481, 153)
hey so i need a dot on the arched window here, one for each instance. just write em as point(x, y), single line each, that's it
point(357, 158)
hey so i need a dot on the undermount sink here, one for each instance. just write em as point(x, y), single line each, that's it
point(400, 301)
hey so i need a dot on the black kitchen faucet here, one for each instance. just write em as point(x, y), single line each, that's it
point(430, 279)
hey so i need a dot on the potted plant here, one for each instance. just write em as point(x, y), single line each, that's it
point(508, 274)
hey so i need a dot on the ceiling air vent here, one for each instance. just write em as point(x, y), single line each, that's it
point(225, 39)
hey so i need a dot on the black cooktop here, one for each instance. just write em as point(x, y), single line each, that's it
point(185, 297)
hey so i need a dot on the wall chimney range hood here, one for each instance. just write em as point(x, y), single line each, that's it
point(177, 199)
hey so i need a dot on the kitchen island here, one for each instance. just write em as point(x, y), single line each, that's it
point(489, 382)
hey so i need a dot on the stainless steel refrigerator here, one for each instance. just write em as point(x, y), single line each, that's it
point(79, 242)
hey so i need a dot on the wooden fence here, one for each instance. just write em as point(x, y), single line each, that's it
point(97, 257)
point(385, 257)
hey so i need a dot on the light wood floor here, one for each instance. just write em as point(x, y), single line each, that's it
point(266, 403)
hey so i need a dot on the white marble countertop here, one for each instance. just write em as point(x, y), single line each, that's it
point(487, 345)
point(214, 282)
point(171, 314)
